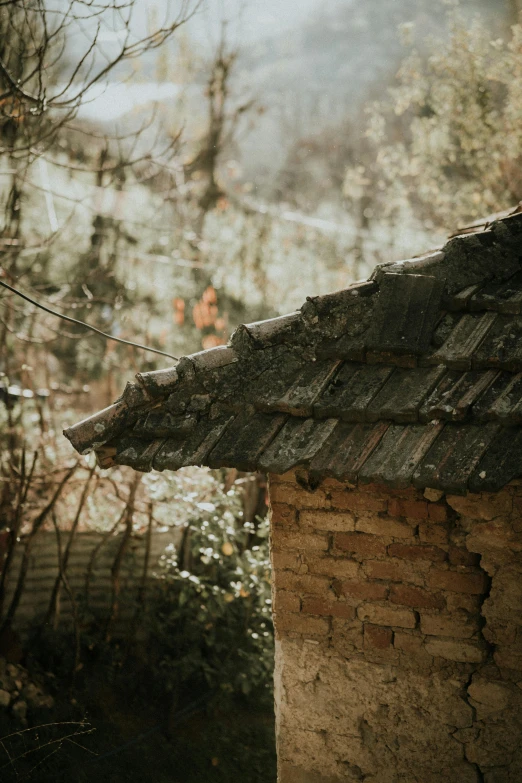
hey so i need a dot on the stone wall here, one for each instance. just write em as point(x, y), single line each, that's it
point(398, 619)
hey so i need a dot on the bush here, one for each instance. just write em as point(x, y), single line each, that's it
point(209, 617)
point(449, 137)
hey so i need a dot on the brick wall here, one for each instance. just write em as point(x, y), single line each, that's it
point(398, 618)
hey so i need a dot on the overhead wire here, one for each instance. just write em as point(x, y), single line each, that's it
point(68, 318)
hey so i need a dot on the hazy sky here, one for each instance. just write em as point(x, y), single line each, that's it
point(248, 21)
point(254, 19)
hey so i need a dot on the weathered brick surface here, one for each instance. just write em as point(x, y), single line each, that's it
point(431, 553)
point(437, 512)
point(433, 495)
point(509, 658)
point(328, 608)
point(457, 582)
point(358, 502)
point(328, 520)
point(286, 560)
point(459, 625)
point(283, 514)
point(285, 478)
point(285, 601)
point(310, 542)
point(338, 567)
point(355, 592)
point(413, 509)
point(301, 624)
point(304, 584)
point(416, 588)
point(462, 651)
point(485, 506)
point(430, 533)
point(299, 498)
point(384, 526)
point(393, 570)
point(359, 544)
point(455, 602)
point(377, 637)
point(416, 597)
point(347, 636)
point(460, 556)
point(386, 614)
point(409, 642)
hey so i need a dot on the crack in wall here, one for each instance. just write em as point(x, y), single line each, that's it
point(489, 659)
point(484, 665)
point(476, 767)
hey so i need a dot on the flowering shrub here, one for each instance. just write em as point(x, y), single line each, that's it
point(210, 611)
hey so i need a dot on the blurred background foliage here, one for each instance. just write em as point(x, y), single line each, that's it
point(169, 170)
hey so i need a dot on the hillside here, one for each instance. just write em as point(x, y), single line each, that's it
point(346, 53)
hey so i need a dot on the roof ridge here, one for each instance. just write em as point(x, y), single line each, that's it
point(460, 262)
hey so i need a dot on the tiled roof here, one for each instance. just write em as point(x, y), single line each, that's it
point(412, 377)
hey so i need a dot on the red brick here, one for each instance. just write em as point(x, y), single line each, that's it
point(457, 626)
point(408, 552)
point(394, 570)
point(301, 583)
point(416, 597)
point(377, 637)
point(412, 509)
point(359, 502)
point(283, 514)
point(387, 614)
point(431, 533)
point(384, 526)
point(438, 513)
point(293, 495)
point(408, 642)
point(327, 520)
point(328, 608)
point(286, 601)
point(360, 543)
point(301, 623)
point(362, 591)
point(339, 567)
point(283, 560)
point(384, 569)
point(456, 582)
point(299, 540)
point(459, 556)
